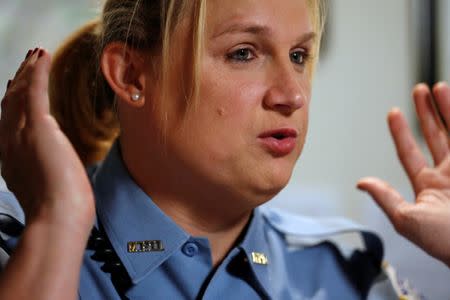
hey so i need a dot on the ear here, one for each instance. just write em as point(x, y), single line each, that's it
point(125, 70)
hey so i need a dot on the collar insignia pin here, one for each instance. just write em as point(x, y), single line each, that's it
point(259, 258)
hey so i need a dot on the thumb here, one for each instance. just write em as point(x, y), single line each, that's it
point(387, 198)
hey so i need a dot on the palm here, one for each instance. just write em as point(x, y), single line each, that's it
point(425, 222)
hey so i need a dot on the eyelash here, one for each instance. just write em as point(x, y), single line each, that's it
point(233, 56)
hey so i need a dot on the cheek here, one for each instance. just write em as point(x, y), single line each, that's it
point(228, 116)
point(231, 97)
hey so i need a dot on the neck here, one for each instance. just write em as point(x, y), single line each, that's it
point(197, 207)
point(222, 237)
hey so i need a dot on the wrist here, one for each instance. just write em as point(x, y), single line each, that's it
point(46, 262)
point(75, 217)
point(57, 229)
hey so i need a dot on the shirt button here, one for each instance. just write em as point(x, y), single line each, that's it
point(190, 249)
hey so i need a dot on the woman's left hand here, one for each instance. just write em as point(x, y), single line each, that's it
point(426, 222)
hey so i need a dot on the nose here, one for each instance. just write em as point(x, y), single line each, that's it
point(287, 90)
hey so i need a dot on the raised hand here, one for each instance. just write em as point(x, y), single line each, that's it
point(39, 163)
point(426, 222)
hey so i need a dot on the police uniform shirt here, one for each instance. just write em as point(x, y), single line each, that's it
point(280, 256)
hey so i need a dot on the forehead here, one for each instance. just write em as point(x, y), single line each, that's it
point(281, 17)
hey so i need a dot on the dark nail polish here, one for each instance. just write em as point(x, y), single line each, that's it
point(35, 50)
point(28, 53)
point(40, 53)
point(9, 83)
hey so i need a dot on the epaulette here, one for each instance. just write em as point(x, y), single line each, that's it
point(360, 247)
point(302, 231)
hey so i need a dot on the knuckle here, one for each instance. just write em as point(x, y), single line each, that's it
point(406, 150)
point(429, 177)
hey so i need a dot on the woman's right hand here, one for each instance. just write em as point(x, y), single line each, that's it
point(39, 164)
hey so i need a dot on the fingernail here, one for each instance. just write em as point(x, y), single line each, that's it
point(41, 53)
point(28, 53)
point(440, 83)
point(9, 83)
point(35, 50)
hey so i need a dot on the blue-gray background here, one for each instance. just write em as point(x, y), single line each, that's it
point(369, 66)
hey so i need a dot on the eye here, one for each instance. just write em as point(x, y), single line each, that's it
point(241, 55)
point(299, 57)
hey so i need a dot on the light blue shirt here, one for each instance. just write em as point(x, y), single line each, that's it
point(280, 256)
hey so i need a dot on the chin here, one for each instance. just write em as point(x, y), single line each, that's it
point(271, 185)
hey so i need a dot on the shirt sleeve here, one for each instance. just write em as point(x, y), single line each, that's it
point(12, 222)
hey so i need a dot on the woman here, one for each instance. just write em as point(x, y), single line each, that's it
point(212, 99)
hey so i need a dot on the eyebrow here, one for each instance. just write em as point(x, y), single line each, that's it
point(259, 30)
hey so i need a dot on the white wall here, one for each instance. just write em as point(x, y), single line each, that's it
point(367, 69)
point(26, 24)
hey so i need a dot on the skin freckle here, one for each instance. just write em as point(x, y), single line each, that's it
point(221, 111)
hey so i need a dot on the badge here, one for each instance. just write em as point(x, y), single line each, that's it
point(145, 246)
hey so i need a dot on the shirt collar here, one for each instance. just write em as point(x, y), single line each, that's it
point(127, 214)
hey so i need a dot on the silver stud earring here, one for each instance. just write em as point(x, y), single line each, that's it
point(136, 96)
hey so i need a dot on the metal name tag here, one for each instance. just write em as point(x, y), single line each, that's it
point(145, 246)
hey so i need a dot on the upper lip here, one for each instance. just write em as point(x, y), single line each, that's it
point(280, 133)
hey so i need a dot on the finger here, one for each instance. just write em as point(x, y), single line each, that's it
point(430, 122)
point(441, 92)
point(13, 114)
point(37, 104)
point(4, 99)
point(387, 198)
point(23, 64)
point(13, 117)
point(8, 85)
point(411, 158)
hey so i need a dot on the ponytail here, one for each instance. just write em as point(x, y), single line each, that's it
point(80, 98)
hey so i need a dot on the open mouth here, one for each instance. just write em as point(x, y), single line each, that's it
point(279, 142)
point(280, 134)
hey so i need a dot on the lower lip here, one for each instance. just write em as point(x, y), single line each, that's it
point(279, 147)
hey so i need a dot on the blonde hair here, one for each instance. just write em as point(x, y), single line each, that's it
point(319, 12)
point(81, 99)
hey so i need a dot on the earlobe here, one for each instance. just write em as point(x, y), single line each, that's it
point(136, 96)
point(123, 68)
